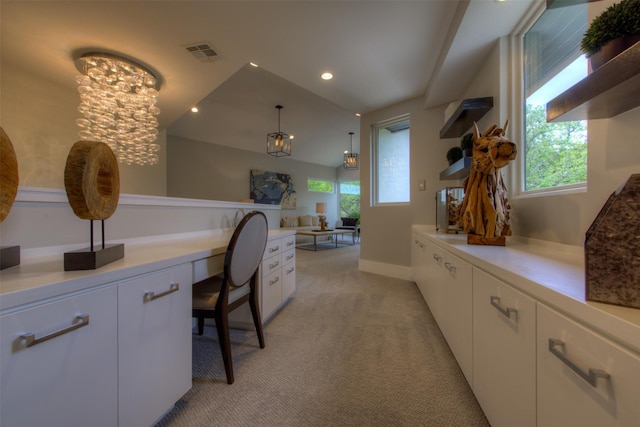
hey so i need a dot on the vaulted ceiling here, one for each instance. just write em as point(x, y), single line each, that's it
point(380, 52)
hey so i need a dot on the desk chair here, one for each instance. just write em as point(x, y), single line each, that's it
point(217, 296)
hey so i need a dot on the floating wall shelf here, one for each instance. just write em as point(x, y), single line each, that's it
point(458, 170)
point(469, 111)
point(610, 90)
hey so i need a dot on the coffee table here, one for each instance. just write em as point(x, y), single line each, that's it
point(333, 233)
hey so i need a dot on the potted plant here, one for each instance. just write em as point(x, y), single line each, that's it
point(454, 154)
point(466, 144)
point(613, 31)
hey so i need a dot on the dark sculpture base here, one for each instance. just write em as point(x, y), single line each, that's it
point(86, 259)
point(9, 256)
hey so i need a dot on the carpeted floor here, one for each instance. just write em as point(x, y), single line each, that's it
point(349, 349)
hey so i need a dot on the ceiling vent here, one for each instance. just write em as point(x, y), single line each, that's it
point(203, 52)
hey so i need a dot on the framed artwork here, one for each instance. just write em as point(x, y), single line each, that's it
point(272, 188)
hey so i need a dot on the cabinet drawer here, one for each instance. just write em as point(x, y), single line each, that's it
point(274, 247)
point(154, 344)
point(69, 379)
point(504, 348)
point(288, 256)
point(271, 293)
point(571, 391)
point(271, 264)
point(289, 242)
point(207, 267)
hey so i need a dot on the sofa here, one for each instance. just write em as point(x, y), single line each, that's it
point(299, 223)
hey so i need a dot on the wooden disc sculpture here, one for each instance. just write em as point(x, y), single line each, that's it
point(484, 212)
point(8, 175)
point(92, 180)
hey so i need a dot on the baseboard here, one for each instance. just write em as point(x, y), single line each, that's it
point(390, 270)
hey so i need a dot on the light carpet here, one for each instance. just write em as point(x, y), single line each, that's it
point(349, 349)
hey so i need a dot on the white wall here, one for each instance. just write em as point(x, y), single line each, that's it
point(201, 170)
point(39, 118)
point(386, 230)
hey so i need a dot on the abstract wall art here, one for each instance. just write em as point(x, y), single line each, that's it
point(272, 188)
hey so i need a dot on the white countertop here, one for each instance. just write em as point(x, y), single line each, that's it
point(553, 274)
point(40, 278)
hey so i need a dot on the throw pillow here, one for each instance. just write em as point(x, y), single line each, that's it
point(289, 221)
point(315, 221)
point(349, 222)
point(304, 221)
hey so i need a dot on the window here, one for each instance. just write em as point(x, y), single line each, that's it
point(320, 185)
point(555, 154)
point(350, 199)
point(390, 157)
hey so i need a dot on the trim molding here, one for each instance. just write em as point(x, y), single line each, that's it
point(390, 270)
point(56, 195)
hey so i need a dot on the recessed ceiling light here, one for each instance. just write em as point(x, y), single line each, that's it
point(194, 109)
point(326, 75)
point(253, 64)
point(358, 114)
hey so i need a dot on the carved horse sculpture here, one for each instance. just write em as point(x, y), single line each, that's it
point(484, 212)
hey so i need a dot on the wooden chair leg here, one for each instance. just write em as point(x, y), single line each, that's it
point(255, 313)
point(222, 325)
point(200, 325)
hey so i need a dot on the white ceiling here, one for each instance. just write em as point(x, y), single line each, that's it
point(380, 52)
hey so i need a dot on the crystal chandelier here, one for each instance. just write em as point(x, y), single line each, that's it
point(350, 158)
point(279, 143)
point(118, 102)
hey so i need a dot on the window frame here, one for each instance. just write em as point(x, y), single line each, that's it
point(518, 110)
point(374, 199)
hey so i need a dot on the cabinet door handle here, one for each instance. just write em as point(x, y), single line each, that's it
point(290, 243)
point(437, 257)
point(274, 265)
point(277, 248)
point(150, 295)
point(289, 271)
point(78, 322)
point(290, 256)
point(274, 281)
point(450, 267)
point(590, 376)
point(495, 301)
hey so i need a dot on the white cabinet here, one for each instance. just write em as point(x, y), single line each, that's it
point(458, 297)
point(419, 264)
point(504, 347)
point(434, 274)
point(288, 273)
point(70, 379)
point(583, 378)
point(154, 344)
point(276, 285)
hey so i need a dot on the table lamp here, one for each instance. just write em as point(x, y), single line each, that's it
point(321, 209)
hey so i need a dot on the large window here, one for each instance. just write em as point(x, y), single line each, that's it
point(320, 185)
point(390, 157)
point(555, 154)
point(350, 199)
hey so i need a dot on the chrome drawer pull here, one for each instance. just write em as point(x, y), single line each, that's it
point(290, 256)
point(78, 322)
point(274, 265)
point(289, 271)
point(450, 267)
point(150, 295)
point(290, 243)
point(274, 281)
point(437, 257)
point(277, 248)
point(590, 377)
point(495, 301)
